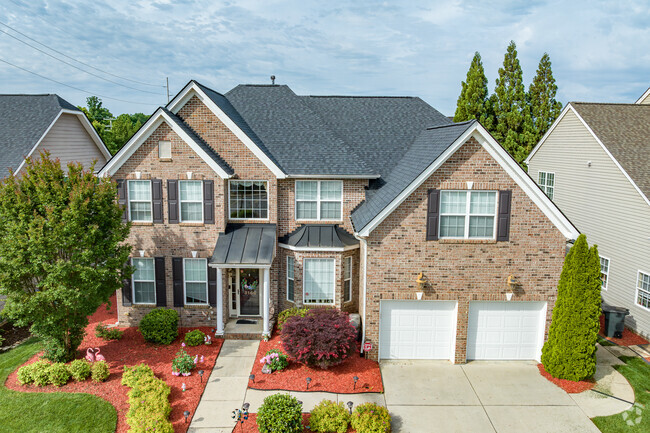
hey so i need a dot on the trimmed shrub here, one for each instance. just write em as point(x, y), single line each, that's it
point(194, 338)
point(275, 359)
point(25, 374)
point(371, 418)
point(329, 417)
point(159, 326)
point(283, 316)
point(105, 333)
point(59, 374)
point(323, 338)
point(570, 351)
point(41, 373)
point(149, 405)
point(79, 369)
point(99, 371)
point(280, 413)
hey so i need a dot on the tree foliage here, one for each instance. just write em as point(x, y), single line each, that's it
point(473, 94)
point(570, 352)
point(63, 252)
point(544, 108)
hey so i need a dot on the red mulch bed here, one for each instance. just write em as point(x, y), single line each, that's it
point(250, 425)
point(568, 386)
point(336, 379)
point(131, 350)
point(629, 337)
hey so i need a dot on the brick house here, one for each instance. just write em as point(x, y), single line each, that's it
point(251, 202)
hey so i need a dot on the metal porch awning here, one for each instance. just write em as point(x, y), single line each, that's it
point(245, 244)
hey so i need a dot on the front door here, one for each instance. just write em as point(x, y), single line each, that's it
point(245, 287)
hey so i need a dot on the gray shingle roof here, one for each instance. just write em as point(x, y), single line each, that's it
point(426, 148)
point(623, 129)
point(319, 236)
point(23, 121)
point(249, 244)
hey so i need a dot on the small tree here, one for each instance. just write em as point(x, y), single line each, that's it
point(62, 253)
point(473, 93)
point(570, 352)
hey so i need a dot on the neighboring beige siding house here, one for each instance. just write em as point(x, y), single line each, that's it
point(593, 163)
point(645, 98)
point(30, 124)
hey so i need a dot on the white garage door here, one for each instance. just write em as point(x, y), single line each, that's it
point(505, 330)
point(417, 329)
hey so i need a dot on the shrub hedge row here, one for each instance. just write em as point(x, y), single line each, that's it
point(149, 405)
point(42, 373)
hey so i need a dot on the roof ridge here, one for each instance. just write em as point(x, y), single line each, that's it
point(466, 122)
point(360, 96)
point(630, 104)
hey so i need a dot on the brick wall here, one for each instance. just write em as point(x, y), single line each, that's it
point(462, 270)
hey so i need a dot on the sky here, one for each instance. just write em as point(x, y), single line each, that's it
point(599, 49)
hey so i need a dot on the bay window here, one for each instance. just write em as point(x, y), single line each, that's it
point(318, 281)
point(290, 279)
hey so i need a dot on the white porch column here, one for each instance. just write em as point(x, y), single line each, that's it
point(267, 302)
point(219, 302)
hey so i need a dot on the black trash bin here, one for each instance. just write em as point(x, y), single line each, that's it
point(614, 320)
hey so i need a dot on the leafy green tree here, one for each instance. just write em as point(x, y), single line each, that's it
point(63, 252)
point(121, 131)
point(474, 93)
point(544, 108)
point(95, 111)
point(570, 352)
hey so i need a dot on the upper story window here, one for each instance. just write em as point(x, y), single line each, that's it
point(319, 200)
point(191, 200)
point(468, 214)
point(139, 196)
point(318, 281)
point(547, 183)
point(347, 279)
point(195, 273)
point(143, 280)
point(165, 149)
point(249, 199)
point(643, 290)
point(604, 271)
point(290, 279)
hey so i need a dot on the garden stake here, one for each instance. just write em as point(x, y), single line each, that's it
point(355, 378)
point(184, 387)
point(308, 380)
point(252, 377)
point(350, 404)
point(201, 375)
point(186, 414)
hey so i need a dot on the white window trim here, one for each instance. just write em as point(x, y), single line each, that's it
point(268, 204)
point(467, 214)
point(304, 270)
point(180, 202)
point(207, 294)
point(170, 149)
point(318, 200)
point(545, 185)
point(128, 192)
point(609, 265)
point(292, 279)
point(133, 281)
point(349, 260)
point(636, 292)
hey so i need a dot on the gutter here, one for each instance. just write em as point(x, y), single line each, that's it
point(364, 241)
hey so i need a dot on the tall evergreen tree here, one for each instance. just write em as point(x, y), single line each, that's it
point(473, 94)
point(570, 352)
point(544, 108)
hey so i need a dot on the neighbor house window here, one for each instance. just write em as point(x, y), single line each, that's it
point(547, 183)
point(164, 149)
point(195, 272)
point(191, 200)
point(144, 283)
point(319, 199)
point(249, 199)
point(347, 279)
point(318, 281)
point(468, 214)
point(140, 200)
point(604, 271)
point(643, 290)
point(290, 279)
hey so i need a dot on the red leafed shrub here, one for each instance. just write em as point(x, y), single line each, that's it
point(323, 338)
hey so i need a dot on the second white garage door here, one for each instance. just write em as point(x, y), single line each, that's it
point(505, 330)
point(417, 329)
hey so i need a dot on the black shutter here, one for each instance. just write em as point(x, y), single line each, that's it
point(177, 275)
point(156, 195)
point(172, 200)
point(127, 293)
point(161, 287)
point(208, 201)
point(433, 214)
point(122, 198)
point(212, 286)
point(503, 223)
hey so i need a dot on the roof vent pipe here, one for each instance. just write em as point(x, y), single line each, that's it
point(272, 80)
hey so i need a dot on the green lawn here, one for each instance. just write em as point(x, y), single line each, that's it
point(51, 412)
point(637, 372)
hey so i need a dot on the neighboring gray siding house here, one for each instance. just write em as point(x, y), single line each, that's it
point(30, 124)
point(593, 163)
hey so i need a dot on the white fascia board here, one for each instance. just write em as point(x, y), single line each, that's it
point(645, 95)
point(193, 89)
point(88, 126)
point(317, 249)
point(545, 136)
point(152, 124)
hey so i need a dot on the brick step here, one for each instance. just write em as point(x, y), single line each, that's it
point(242, 336)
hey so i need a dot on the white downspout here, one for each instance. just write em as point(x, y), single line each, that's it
point(363, 285)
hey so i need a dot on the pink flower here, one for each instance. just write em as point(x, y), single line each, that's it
point(182, 344)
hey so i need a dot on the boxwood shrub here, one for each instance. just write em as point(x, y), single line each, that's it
point(329, 417)
point(79, 369)
point(280, 413)
point(194, 338)
point(41, 373)
point(99, 371)
point(25, 374)
point(159, 326)
point(148, 401)
point(59, 374)
point(371, 418)
point(285, 315)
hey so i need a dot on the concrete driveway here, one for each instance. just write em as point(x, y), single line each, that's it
point(503, 397)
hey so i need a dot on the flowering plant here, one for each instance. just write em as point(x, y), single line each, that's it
point(275, 359)
point(183, 363)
